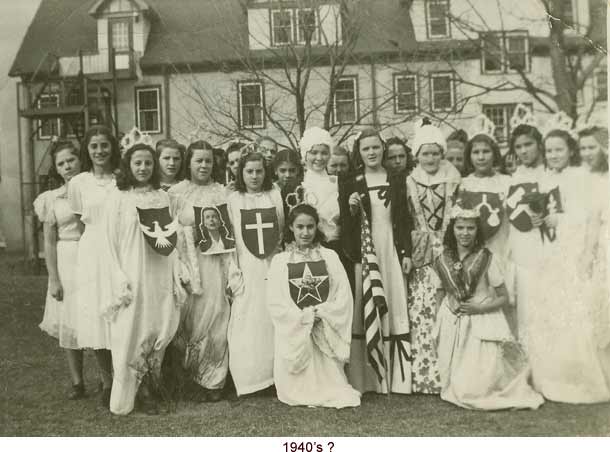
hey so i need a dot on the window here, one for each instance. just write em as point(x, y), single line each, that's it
point(405, 93)
point(601, 86)
point(120, 35)
point(500, 115)
point(148, 109)
point(505, 52)
point(281, 24)
point(307, 25)
point(48, 128)
point(437, 18)
point(442, 91)
point(568, 12)
point(251, 105)
point(345, 101)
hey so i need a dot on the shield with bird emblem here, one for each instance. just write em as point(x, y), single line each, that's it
point(309, 284)
point(159, 229)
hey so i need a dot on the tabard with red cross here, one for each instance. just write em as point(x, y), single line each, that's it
point(309, 285)
point(260, 230)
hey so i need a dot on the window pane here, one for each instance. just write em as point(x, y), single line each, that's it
point(406, 96)
point(250, 94)
point(149, 121)
point(282, 27)
point(498, 115)
point(441, 89)
point(516, 48)
point(120, 35)
point(307, 25)
point(568, 12)
point(345, 96)
point(437, 17)
point(251, 108)
point(346, 112)
point(148, 100)
point(492, 49)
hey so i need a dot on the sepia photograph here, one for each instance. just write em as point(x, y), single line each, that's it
point(304, 222)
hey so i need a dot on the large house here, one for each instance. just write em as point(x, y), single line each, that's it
point(219, 69)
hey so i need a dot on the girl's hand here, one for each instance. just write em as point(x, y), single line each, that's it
point(316, 314)
point(470, 308)
point(551, 221)
point(56, 290)
point(407, 265)
point(354, 203)
point(537, 220)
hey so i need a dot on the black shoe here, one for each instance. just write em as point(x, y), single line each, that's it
point(105, 397)
point(77, 392)
point(214, 395)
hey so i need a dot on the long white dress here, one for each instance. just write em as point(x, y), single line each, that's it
point(525, 253)
point(146, 296)
point(568, 362)
point(250, 332)
point(202, 335)
point(60, 318)
point(396, 334)
point(310, 354)
point(481, 365)
point(87, 196)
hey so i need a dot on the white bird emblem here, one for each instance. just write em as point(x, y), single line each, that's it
point(160, 233)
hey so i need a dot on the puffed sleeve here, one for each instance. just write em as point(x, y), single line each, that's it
point(43, 206)
point(74, 195)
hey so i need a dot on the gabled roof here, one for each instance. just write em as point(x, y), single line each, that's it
point(215, 32)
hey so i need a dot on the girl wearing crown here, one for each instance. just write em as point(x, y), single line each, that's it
point(481, 365)
point(569, 363)
point(202, 335)
point(430, 187)
point(62, 231)
point(310, 303)
point(147, 292)
point(370, 200)
point(257, 213)
point(87, 194)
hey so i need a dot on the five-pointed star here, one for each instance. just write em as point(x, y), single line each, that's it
point(308, 285)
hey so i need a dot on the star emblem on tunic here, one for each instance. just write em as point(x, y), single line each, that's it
point(308, 285)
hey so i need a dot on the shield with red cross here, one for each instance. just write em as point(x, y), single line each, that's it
point(260, 230)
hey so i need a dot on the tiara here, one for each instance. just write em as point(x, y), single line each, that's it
point(522, 115)
point(135, 136)
point(459, 212)
point(483, 126)
point(559, 121)
point(300, 196)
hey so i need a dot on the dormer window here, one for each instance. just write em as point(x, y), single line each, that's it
point(281, 23)
point(294, 26)
point(437, 19)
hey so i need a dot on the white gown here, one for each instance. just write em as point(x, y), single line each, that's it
point(202, 335)
point(310, 354)
point(250, 332)
point(146, 296)
point(87, 196)
point(322, 193)
point(60, 318)
point(568, 362)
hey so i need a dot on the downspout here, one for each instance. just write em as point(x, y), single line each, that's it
point(374, 94)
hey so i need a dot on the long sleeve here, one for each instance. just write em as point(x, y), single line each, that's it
point(292, 325)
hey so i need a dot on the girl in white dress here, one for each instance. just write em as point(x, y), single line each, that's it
point(202, 336)
point(310, 302)
point(145, 274)
point(257, 214)
point(370, 191)
point(87, 195)
point(62, 230)
point(170, 155)
point(569, 363)
point(482, 367)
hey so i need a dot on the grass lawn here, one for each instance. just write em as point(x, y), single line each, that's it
point(34, 381)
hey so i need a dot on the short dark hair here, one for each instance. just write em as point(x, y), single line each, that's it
point(450, 242)
point(459, 135)
point(240, 185)
point(54, 178)
point(289, 156)
point(574, 159)
point(495, 149)
point(303, 209)
point(530, 131)
point(115, 156)
point(601, 136)
point(125, 179)
point(199, 145)
point(366, 133)
point(173, 144)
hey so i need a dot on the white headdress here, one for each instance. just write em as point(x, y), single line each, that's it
point(522, 115)
point(314, 136)
point(135, 136)
point(426, 133)
point(482, 125)
point(559, 121)
point(459, 212)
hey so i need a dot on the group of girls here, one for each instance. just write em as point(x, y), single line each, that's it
point(494, 287)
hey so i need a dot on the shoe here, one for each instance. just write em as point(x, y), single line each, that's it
point(77, 392)
point(201, 395)
point(214, 395)
point(105, 397)
point(149, 406)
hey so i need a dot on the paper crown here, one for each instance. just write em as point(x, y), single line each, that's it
point(459, 212)
point(559, 121)
point(300, 196)
point(482, 125)
point(135, 136)
point(522, 115)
